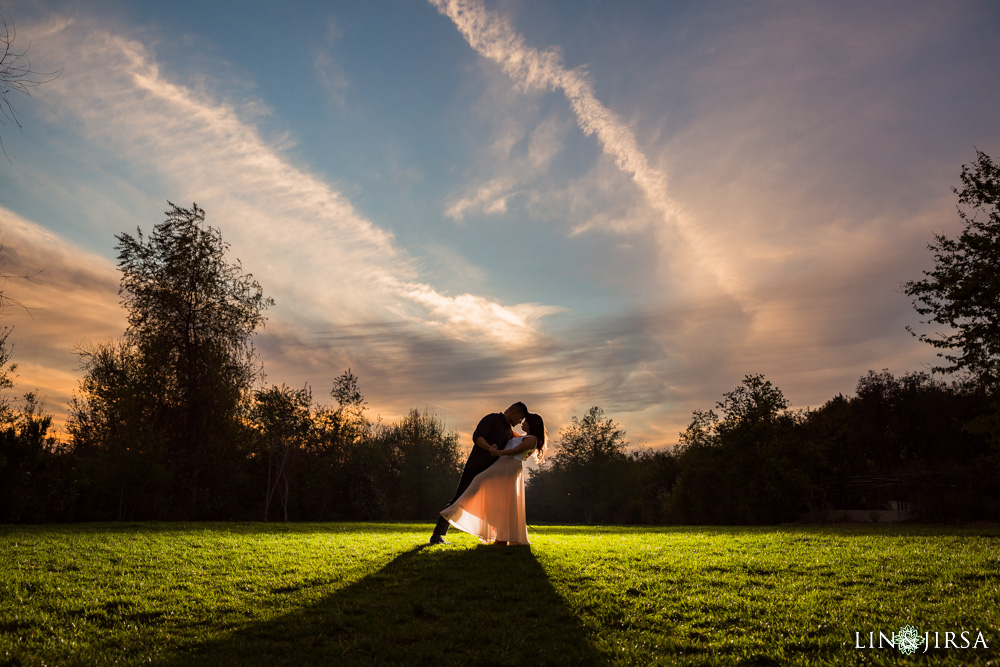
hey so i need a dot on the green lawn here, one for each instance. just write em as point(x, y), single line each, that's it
point(374, 593)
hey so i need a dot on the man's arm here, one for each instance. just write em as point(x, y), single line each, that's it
point(481, 442)
point(488, 432)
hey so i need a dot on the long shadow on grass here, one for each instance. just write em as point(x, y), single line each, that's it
point(485, 605)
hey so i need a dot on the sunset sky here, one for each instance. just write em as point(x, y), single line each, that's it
point(575, 203)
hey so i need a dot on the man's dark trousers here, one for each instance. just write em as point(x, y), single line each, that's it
point(496, 430)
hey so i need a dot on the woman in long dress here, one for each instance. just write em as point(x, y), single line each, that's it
point(492, 508)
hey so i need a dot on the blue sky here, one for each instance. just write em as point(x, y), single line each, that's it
point(624, 204)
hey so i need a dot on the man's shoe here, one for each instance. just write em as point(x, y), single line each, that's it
point(437, 539)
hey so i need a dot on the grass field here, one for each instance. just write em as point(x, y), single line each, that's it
point(374, 593)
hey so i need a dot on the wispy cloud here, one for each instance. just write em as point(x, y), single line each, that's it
point(70, 301)
point(329, 72)
point(749, 205)
point(518, 159)
point(468, 315)
point(204, 148)
point(782, 147)
point(301, 231)
point(326, 263)
point(489, 198)
point(492, 36)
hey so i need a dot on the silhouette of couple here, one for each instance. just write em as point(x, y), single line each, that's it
point(489, 502)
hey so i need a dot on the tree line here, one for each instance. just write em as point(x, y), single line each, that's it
point(909, 441)
point(174, 421)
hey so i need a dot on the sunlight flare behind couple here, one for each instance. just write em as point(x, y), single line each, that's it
point(489, 501)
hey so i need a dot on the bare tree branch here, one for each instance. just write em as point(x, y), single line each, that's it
point(16, 74)
point(5, 299)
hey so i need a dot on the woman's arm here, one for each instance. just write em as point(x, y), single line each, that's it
point(526, 444)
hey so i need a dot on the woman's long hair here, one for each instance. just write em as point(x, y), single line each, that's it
point(536, 427)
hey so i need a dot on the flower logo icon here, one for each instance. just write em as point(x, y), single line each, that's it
point(908, 639)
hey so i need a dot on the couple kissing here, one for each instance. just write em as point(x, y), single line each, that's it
point(489, 501)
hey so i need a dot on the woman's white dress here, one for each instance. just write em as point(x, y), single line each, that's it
point(492, 508)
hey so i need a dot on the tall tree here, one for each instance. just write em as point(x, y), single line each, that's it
point(191, 318)
point(962, 291)
point(588, 475)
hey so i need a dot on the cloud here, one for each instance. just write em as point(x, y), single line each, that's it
point(329, 73)
point(298, 231)
point(70, 301)
point(805, 143)
point(326, 264)
point(519, 158)
point(488, 198)
point(762, 224)
point(468, 315)
point(493, 37)
point(780, 135)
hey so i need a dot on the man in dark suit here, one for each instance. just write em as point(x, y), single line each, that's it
point(495, 429)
